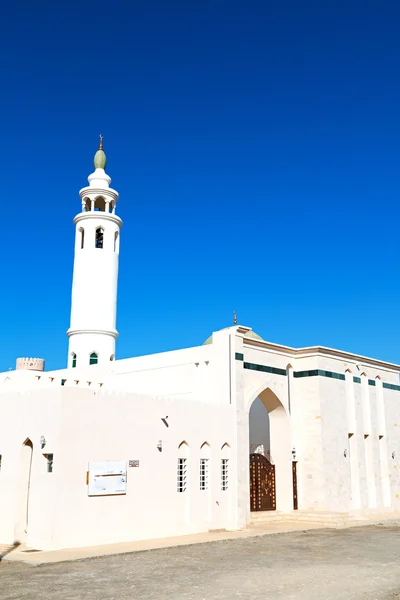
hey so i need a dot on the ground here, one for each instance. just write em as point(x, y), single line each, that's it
point(351, 564)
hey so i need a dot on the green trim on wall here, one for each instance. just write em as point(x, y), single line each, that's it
point(310, 373)
point(264, 369)
point(391, 386)
point(320, 373)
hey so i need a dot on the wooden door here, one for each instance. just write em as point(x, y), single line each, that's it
point(262, 483)
point(294, 471)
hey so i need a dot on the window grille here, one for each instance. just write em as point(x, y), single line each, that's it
point(204, 474)
point(182, 474)
point(224, 474)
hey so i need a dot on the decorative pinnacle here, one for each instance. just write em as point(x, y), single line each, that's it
point(100, 159)
point(234, 318)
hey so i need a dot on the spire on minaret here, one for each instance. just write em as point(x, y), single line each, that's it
point(100, 159)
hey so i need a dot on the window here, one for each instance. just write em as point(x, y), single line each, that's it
point(182, 474)
point(63, 381)
point(112, 357)
point(116, 241)
point(82, 232)
point(49, 462)
point(94, 359)
point(203, 474)
point(73, 362)
point(99, 237)
point(224, 474)
point(0, 460)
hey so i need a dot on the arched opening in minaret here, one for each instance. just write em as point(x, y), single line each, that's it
point(73, 360)
point(99, 237)
point(100, 204)
point(82, 234)
point(86, 205)
point(94, 358)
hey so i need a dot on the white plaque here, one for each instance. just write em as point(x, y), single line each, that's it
point(107, 477)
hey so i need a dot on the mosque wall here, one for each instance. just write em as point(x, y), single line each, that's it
point(81, 426)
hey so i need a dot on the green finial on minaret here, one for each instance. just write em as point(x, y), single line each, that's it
point(100, 159)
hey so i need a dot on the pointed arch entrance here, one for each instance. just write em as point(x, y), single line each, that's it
point(270, 465)
point(21, 526)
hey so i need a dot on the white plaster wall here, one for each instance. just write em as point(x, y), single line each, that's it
point(307, 440)
point(28, 415)
point(83, 425)
point(392, 418)
point(335, 444)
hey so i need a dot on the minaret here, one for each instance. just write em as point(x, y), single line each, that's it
point(92, 332)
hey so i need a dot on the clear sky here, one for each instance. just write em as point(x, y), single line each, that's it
point(256, 149)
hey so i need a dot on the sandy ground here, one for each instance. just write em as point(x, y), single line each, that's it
point(325, 564)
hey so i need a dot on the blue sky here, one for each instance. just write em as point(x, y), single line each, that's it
point(255, 147)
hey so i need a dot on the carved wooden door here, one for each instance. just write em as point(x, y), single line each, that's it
point(262, 483)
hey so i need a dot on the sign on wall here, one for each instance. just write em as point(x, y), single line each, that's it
point(107, 477)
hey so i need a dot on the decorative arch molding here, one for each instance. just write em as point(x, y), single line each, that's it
point(225, 450)
point(280, 437)
point(270, 398)
point(183, 449)
point(205, 450)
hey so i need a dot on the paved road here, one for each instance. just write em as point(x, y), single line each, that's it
point(351, 564)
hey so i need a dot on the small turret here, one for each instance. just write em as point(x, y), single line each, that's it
point(30, 364)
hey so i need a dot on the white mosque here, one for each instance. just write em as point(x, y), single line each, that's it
point(162, 445)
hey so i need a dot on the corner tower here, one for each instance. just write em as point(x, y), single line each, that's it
point(92, 331)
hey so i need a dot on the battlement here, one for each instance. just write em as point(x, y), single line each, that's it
point(30, 364)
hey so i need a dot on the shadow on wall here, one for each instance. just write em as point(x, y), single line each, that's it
point(259, 426)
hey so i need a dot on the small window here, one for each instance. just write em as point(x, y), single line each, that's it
point(112, 357)
point(63, 381)
point(49, 462)
point(99, 237)
point(1, 457)
point(94, 359)
point(204, 474)
point(116, 241)
point(73, 362)
point(224, 474)
point(82, 232)
point(182, 474)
